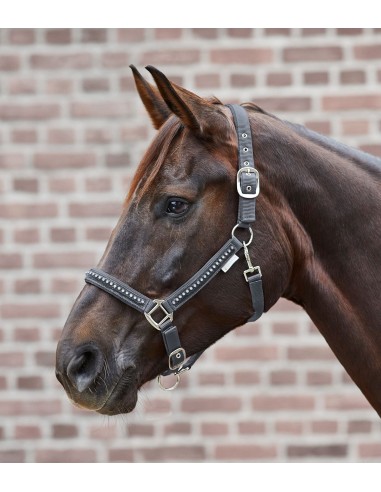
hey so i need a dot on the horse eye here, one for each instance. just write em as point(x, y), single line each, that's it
point(177, 206)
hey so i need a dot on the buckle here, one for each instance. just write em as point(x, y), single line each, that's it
point(255, 269)
point(157, 324)
point(247, 170)
point(177, 354)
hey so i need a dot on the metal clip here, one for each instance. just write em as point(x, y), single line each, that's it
point(251, 268)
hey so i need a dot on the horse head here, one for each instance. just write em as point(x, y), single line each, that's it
point(180, 210)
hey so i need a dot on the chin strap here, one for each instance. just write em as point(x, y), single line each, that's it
point(159, 312)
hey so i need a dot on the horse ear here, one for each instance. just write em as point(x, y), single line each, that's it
point(199, 115)
point(152, 100)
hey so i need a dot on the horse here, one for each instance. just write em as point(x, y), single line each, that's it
point(315, 236)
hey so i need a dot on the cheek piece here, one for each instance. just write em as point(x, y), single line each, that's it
point(159, 312)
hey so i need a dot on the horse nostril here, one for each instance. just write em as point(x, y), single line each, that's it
point(84, 367)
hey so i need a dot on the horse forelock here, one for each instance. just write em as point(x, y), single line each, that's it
point(154, 158)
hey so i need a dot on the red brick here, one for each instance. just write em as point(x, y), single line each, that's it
point(247, 377)
point(241, 55)
point(374, 149)
point(282, 377)
point(142, 430)
point(28, 286)
point(11, 359)
point(282, 328)
point(279, 31)
point(359, 427)
point(3, 385)
point(21, 36)
point(61, 61)
point(29, 407)
point(279, 79)
point(244, 452)
point(59, 86)
point(94, 35)
point(133, 133)
point(103, 432)
point(368, 52)
point(352, 77)
point(170, 33)
point(62, 185)
point(247, 353)
point(242, 80)
point(182, 56)
point(282, 402)
point(24, 136)
point(316, 78)
point(25, 236)
point(370, 450)
point(212, 379)
point(240, 32)
point(22, 86)
point(310, 353)
point(346, 402)
point(178, 428)
point(318, 451)
point(64, 285)
point(96, 209)
point(58, 36)
point(45, 358)
point(157, 405)
point(351, 102)
point(110, 109)
point(318, 378)
point(355, 127)
point(28, 185)
point(9, 63)
point(313, 31)
point(30, 382)
point(214, 429)
point(115, 59)
point(61, 136)
point(66, 456)
point(205, 33)
point(323, 127)
point(121, 455)
point(63, 260)
point(207, 80)
point(28, 210)
point(187, 453)
point(12, 456)
point(26, 335)
point(349, 31)
point(98, 135)
point(35, 310)
point(251, 427)
point(98, 233)
point(279, 103)
point(27, 432)
point(312, 53)
point(211, 404)
point(131, 35)
point(98, 184)
point(99, 84)
point(11, 161)
point(64, 431)
point(63, 234)
point(117, 160)
point(248, 329)
point(9, 261)
point(289, 427)
point(324, 426)
point(42, 111)
point(64, 160)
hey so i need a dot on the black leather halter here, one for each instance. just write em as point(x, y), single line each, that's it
point(223, 260)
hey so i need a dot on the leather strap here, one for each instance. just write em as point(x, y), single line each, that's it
point(247, 177)
point(256, 290)
point(176, 354)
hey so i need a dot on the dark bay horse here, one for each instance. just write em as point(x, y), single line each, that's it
point(316, 238)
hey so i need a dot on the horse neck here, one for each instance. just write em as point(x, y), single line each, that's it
point(333, 201)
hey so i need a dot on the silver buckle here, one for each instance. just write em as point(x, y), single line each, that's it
point(255, 269)
point(248, 170)
point(168, 316)
point(177, 353)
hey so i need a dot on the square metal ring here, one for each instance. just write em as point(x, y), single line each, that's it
point(168, 316)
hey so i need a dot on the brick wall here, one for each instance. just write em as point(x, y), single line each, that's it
point(72, 131)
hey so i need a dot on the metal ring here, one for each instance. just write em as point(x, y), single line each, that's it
point(170, 388)
point(251, 234)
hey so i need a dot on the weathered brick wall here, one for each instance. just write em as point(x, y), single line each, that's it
point(72, 131)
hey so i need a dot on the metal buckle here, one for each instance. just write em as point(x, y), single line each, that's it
point(177, 353)
point(168, 316)
point(256, 269)
point(248, 170)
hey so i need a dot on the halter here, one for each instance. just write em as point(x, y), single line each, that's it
point(159, 312)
